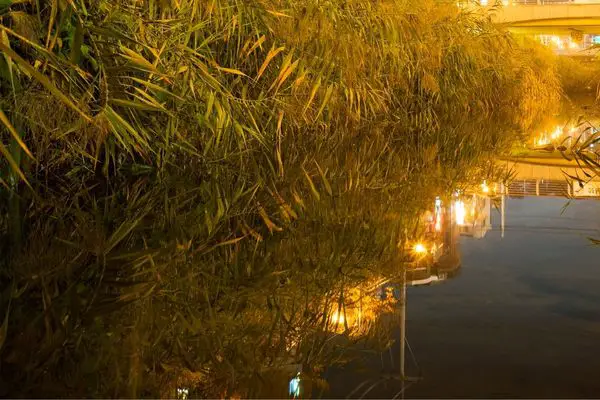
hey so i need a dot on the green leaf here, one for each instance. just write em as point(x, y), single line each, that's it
point(77, 42)
point(43, 80)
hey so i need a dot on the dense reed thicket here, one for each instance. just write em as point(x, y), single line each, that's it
point(188, 186)
point(579, 76)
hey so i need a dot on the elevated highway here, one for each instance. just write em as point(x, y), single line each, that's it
point(546, 16)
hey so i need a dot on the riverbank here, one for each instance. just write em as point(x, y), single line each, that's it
point(189, 190)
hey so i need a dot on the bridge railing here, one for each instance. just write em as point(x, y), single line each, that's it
point(535, 2)
point(552, 2)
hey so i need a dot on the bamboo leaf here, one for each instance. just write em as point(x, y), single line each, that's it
point(122, 232)
point(12, 163)
point(278, 14)
point(312, 185)
point(272, 53)
point(313, 93)
point(9, 63)
point(44, 81)
point(156, 87)
point(231, 71)
point(77, 42)
point(139, 105)
point(137, 59)
point(324, 178)
point(259, 42)
point(328, 93)
point(15, 134)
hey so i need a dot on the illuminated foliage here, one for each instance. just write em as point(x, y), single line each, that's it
point(189, 188)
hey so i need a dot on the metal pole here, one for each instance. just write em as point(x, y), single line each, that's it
point(402, 323)
point(502, 210)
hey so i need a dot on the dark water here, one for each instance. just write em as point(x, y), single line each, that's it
point(521, 319)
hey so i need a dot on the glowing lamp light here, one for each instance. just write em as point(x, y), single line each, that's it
point(483, 2)
point(420, 248)
point(485, 188)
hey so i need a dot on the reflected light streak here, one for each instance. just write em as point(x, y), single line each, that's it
point(438, 222)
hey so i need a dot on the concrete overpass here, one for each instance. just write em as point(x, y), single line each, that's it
point(547, 177)
point(546, 16)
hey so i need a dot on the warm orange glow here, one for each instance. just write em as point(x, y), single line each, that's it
point(438, 222)
point(420, 248)
point(459, 210)
point(484, 187)
point(550, 137)
point(337, 318)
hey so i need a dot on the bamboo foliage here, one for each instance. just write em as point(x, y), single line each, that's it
point(165, 165)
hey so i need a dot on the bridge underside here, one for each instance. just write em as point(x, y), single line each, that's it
point(588, 25)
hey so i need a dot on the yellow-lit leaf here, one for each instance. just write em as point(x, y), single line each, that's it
point(231, 71)
point(313, 93)
point(278, 14)
point(43, 80)
point(13, 132)
point(312, 186)
point(272, 53)
point(324, 178)
point(328, 93)
point(259, 42)
point(270, 224)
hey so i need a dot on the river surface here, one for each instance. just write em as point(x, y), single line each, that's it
point(521, 319)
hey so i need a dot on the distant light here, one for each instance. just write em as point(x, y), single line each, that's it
point(557, 133)
point(459, 207)
point(337, 318)
point(420, 248)
point(485, 188)
point(542, 141)
point(294, 386)
point(483, 2)
point(182, 393)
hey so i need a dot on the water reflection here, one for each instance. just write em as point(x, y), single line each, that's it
point(522, 318)
point(340, 322)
